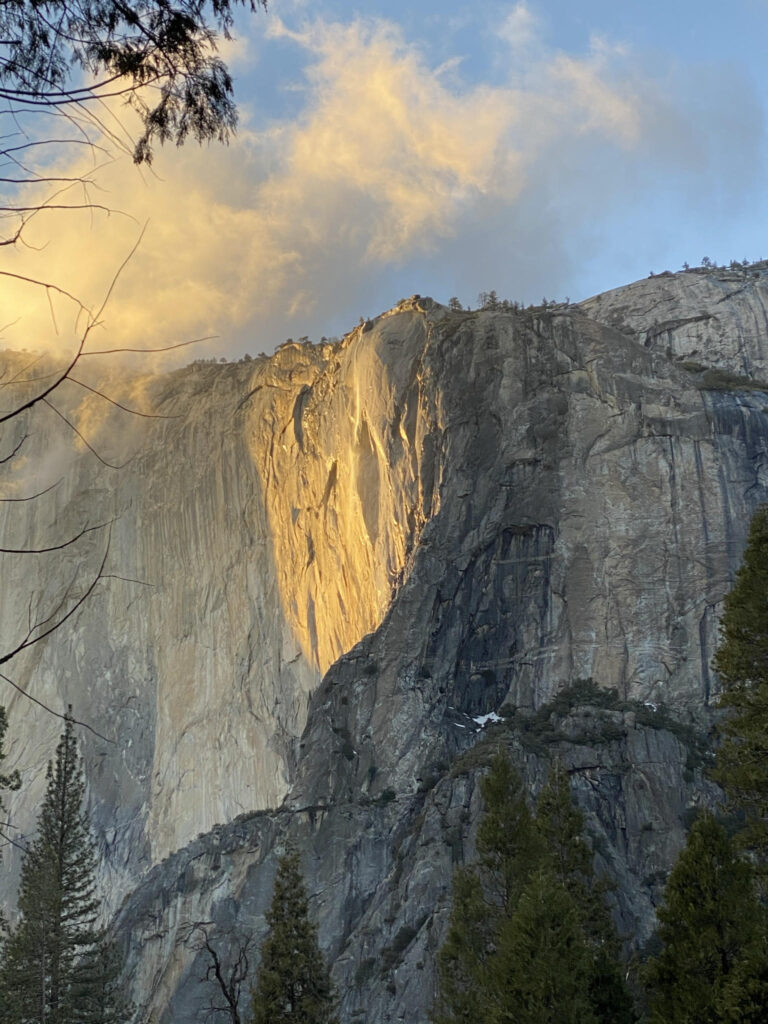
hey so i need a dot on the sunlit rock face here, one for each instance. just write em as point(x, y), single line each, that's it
point(347, 552)
point(257, 533)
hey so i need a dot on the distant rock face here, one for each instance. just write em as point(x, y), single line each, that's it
point(344, 554)
point(716, 317)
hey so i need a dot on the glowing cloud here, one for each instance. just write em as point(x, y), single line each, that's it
point(386, 161)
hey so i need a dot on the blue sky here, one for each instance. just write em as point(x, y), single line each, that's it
point(541, 149)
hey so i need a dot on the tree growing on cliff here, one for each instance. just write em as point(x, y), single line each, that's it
point(293, 984)
point(56, 968)
point(709, 922)
point(741, 662)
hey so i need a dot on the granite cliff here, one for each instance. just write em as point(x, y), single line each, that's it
point(333, 561)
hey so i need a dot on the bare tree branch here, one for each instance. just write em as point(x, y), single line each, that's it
point(229, 983)
point(8, 457)
point(31, 497)
point(56, 714)
point(148, 351)
point(55, 547)
point(133, 412)
point(29, 640)
point(8, 840)
point(87, 444)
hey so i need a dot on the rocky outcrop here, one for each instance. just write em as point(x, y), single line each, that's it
point(717, 317)
point(379, 869)
point(353, 551)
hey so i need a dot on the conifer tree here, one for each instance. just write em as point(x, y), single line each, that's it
point(708, 921)
point(97, 991)
point(541, 969)
point(527, 912)
point(561, 827)
point(42, 977)
point(293, 984)
point(463, 958)
point(13, 780)
point(486, 893)
point(507, 843)
point(743, 997)
point(741, 662)
point(7, 782)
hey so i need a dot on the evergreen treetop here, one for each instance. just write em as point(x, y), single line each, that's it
point(741, 662)
point(561, 825)
point(12, 781)
point(541, 968)
point(530, 939)
point(51, 970)
point(293, 984)
point(709, 917)
point(8, 782)
point(568, 856)
point(463, 957)
point(507, 843)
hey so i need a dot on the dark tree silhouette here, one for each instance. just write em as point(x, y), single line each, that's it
point(293, 984)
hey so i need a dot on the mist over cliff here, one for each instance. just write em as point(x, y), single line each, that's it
point(326, 565)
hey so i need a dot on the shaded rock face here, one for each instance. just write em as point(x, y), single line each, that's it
point(379, 871)
point(353, 551)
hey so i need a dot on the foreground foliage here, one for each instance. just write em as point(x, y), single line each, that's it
point(293, 984)
point(710, 925)
point(57, 967)
point(530, 938)
point(741, 662)
point(713, 925)
point(159, 55)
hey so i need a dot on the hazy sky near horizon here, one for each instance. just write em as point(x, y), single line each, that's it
point(540, 149)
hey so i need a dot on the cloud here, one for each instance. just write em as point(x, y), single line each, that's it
point(391, 163)
point(520, 30)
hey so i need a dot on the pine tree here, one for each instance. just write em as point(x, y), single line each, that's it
point(527, 911)
point(8, 782)
point(561, 827)
point(463, 958)
point(708, 921)
point(507, 843)
point(97, 991)
point(12, 781)
point(541, 969)
point(42, 977)
point(485, 894)
point(293, 984)
point(743, 997)
point(741, 662)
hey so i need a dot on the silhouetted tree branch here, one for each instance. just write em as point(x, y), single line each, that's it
point(226, 975)
point(65, 68)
